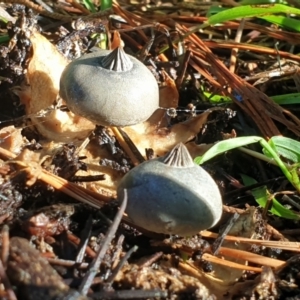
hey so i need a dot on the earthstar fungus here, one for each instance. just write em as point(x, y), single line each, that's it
point(110, 88)
point(171, 195)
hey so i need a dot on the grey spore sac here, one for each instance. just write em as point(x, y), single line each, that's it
point(172, 195)
point(110, 88)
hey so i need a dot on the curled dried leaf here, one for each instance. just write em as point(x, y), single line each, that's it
point(44, 71)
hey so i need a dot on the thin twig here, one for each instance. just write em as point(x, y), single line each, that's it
point(115, 272)
point(3, 262)
point(234, 51)
point(118, 251)
point(251, 257)
point(5, 245)
point(9, 291)
point(151, 260)
point(219, 240)
point(125, 146)
point(85, 236)
point(229, 264)
point(74, 239)
point(91, 273)
point(67, 263)
point(291, 246)
point(131, 294)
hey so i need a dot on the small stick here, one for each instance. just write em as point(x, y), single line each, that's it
point(219, 240)
point(125, 146)
point(85, 236)
point(291, 246)
point(76, 240)
point(94, 267)
point(131, 294)
point(67, 263)
point(183, 69)
point(235, 51)
point(229, 263)
point(151, 260)
point(5, 245)
point(117, 253)
point(122, 262)
point(3, 262)
point(252, 257)
point(10, 293)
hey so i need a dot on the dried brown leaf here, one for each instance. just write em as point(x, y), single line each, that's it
point(44, 71)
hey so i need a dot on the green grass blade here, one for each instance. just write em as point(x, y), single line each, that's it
point(89, 5)
point(226, 145)
point(285, 147)
point(279, 210)
point(217, 98)
point(3, 20)
point(259, 2)
point(247, 11)
point(286, 99)
point(239, 12)
point(230, 144)
point(283, 21)
point(106, 4)
point(267, 147)
point(261, 196)
point(293, 98)
point(4, 39)
point(214, 10)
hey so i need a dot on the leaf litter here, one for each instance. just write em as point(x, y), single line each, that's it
point(181, 279)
